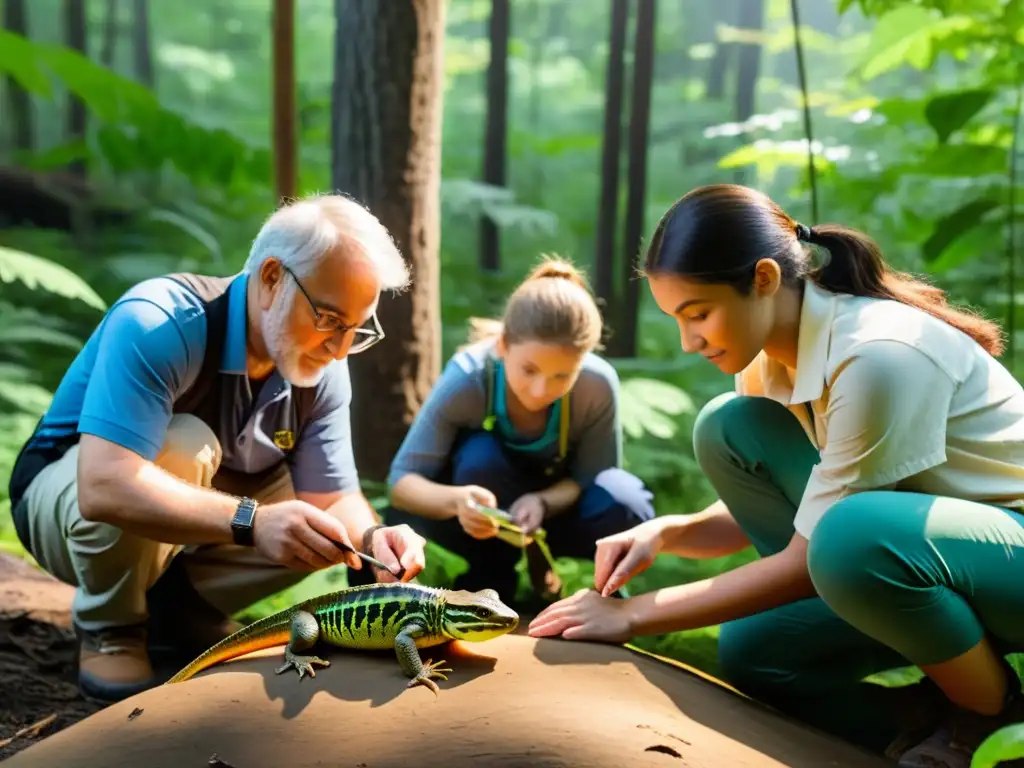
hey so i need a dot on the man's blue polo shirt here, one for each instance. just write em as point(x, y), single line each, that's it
point(149, 349)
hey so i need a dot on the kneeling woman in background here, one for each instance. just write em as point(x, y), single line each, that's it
point(524, 419)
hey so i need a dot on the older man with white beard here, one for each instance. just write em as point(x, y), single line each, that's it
point(197, 454)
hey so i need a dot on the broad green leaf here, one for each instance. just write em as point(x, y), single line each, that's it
point(18, 59)
point(30, 398)
point(901, 111)
point(909, 34)
point(1007, 743)
point(58, 156)
point(30, 334)
point(967, 160)
point(133, 126)
point(970, 246)
point(668, 398)
point(647, 406)
point(13, 373)
point(951, 227)
point(949, 112)
point(40, 273)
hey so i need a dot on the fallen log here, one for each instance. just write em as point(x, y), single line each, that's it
point(512, 701)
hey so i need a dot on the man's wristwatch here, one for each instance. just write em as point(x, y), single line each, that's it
point(241, 523)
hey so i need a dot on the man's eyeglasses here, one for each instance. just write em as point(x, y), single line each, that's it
point(366, 335)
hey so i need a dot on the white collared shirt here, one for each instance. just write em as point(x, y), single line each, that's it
point(897, 399)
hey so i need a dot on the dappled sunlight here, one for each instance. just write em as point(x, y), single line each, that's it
point(164, 144)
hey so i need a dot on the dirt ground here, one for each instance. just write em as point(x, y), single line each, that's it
point(511, 701)
point(37, 657)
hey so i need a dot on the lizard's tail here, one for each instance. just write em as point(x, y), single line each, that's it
point(263, 633)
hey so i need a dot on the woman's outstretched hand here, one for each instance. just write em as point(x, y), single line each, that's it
point(622, 556)
point(585, 616)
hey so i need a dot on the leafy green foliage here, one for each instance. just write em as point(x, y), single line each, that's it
point(137, 133)
point(39, 273)
point(1003, 745)
point(949, 112)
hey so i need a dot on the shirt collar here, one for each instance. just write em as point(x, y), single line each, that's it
point(233, 359)
point(808, 383)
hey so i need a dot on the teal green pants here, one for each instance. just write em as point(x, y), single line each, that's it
point(902, 578)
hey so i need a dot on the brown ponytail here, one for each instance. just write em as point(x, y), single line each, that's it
point(718, 233)
point(553, 305)
point(855, 266)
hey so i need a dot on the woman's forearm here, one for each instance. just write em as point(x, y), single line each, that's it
point(415, 494)
point(752, 588)
point(712, 532)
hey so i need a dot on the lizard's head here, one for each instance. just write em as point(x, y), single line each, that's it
point(477, 616)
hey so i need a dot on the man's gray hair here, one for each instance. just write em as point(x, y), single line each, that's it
point(301, 233)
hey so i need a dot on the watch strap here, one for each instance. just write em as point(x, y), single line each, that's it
point(242, 522)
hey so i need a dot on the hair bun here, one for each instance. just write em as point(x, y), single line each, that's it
point(560, 269)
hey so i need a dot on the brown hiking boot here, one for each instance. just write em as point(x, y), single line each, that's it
point(113, 663)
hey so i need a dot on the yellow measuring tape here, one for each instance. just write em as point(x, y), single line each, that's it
point(512, 534)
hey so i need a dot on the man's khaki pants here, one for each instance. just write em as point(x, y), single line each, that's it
point(112, 569)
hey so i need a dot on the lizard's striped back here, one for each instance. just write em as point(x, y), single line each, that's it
point(371, 618)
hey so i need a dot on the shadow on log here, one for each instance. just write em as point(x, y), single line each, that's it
point(511, 701)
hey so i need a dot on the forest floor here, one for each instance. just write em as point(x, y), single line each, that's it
point(39, 698)
point(38, 657)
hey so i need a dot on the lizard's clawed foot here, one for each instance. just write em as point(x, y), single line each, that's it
point(430, 669)
point(303, 664)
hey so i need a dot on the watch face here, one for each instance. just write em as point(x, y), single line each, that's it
point(244, 513)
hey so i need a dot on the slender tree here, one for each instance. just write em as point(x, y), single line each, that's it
point(497, 127)
point(76, 38)
point(386, 140)
point(18, 103)
point(284, 130)
point(611, 157)
point(142, 46)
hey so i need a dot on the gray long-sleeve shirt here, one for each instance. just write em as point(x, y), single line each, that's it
point(458, 401)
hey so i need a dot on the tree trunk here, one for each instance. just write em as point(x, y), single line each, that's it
point(18, 100)
point(76, 38)
point(718, 66)
point(608, 205)
point(386, 142)
point(111, 30)
point(748, 67)
point(284, 138)
point(142, 44)
point(496, 130)
point(636, 178)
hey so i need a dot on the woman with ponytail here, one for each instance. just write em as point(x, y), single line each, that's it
point(524, 419)
point(872, 454)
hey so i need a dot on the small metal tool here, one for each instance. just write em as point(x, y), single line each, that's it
point(369, 559)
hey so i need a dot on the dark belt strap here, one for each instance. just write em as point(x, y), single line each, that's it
point(20, 517)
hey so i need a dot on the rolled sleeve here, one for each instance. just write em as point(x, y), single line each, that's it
point(324, 459)
point(886, 421)
point(142, 359)
point(457, 401)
